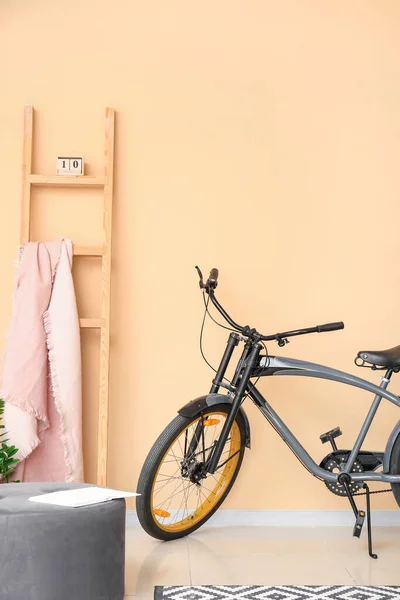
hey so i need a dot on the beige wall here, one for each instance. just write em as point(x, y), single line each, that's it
point(260, 137)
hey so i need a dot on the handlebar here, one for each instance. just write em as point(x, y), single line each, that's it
point(246, 331)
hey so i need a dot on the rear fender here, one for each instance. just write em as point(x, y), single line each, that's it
point(194, 408)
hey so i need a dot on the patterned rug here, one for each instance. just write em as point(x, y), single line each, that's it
point(276, 592)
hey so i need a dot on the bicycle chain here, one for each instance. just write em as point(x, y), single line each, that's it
point(375, 492)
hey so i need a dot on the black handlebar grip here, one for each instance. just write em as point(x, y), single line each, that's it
point(213, 279)
point(330, 327)
point(213, 275)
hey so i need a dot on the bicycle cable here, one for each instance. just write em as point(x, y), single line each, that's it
point(207, 313)
point(201, 334)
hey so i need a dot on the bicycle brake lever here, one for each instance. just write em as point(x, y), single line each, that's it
point(201, 282)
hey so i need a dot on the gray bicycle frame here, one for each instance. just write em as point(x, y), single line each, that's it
point(272, 366)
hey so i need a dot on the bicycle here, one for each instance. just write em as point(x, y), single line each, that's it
point(194, 463)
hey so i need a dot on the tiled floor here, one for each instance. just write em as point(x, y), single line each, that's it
point(261, 555)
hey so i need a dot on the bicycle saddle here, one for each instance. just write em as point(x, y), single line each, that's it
point(382, 358)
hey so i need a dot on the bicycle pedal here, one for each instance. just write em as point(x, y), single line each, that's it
point(359, 524)
point(330, 435)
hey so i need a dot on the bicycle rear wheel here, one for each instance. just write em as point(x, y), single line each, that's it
point(395, 468)
point(171, 504)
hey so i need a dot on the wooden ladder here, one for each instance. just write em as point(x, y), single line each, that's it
point(103, 323)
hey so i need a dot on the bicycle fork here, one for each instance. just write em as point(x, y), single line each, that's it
point(237, 388)
point(243, 377)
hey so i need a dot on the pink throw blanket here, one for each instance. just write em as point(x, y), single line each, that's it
point(42, 367)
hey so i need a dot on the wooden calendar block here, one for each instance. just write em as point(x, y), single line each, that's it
point(70, 165)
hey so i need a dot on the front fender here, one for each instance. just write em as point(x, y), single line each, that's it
point(389, 447)
point(195, 407)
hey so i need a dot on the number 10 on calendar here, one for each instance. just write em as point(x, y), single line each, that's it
point(70, 165)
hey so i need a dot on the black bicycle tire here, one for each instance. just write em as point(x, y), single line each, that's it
point(394, 468)
point(150, 468)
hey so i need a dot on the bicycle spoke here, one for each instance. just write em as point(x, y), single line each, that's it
point(218, 481)
point(177, 486)
point(165, 484)
point(177, 460)
point(198, 498)
point(206, 488)
point(205, 497)
point(180, 446)
point(186, 503)
point(181, 504)
point(172, 496)
point(169, 476)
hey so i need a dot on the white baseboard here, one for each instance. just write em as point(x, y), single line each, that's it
point(288, 518)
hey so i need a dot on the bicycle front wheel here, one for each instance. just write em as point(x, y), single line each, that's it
point(172, 503)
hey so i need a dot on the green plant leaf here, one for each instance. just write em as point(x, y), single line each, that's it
point(7, 462)
point(8, 472)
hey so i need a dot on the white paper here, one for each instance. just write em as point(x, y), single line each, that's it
point(81, 496)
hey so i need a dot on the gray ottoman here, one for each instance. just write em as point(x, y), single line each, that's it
point(58, 553)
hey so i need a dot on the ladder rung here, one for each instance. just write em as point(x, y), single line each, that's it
point(91, 323)
point(66, 180)
point(89, 250)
